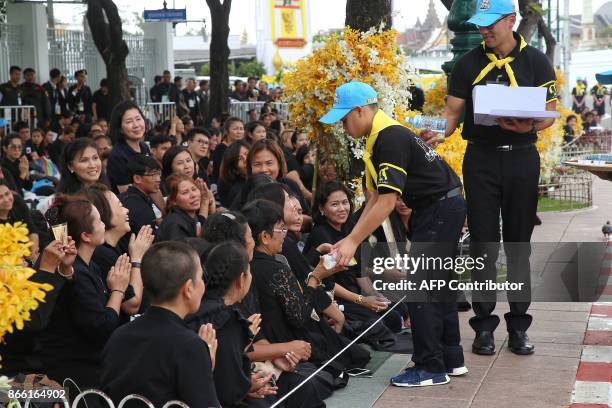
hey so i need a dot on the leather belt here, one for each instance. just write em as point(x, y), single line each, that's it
point(502, 148)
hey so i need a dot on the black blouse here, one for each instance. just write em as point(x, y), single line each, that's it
point(286, 311)
point(177, 225)
point(232, 367)
point(79, 327)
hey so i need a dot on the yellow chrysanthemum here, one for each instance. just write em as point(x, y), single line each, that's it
point(18, 295)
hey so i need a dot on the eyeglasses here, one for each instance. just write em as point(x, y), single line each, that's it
point(15, 147)
point(202, 142)
point(283, 229)
point(153, 174)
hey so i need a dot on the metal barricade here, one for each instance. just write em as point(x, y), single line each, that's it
point(159, 112)
point(9, 115)
point(241, 109)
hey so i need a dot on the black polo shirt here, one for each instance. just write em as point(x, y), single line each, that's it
point(531, 68)
point(141, 209)
point(408, 165)
point(117, 163)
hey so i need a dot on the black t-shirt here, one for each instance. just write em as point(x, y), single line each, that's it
point(290, 159)
point(159, 357)
point(409, 166)
point(531, 68)
point(103, 105)
point(192, 101)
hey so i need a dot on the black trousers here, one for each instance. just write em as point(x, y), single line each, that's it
point(503, 182)
point(435, 324)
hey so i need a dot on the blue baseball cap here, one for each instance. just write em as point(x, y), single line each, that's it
point(489, 12)
point(346, 98)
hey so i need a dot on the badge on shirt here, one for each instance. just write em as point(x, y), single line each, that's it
point(191, 103)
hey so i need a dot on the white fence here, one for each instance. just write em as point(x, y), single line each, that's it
point(12, 114)
point(241, 109)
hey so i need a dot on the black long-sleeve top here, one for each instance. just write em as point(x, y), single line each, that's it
point(159, 357)
point(286, 311)
point(177, 225)
point(13, 168)
point(79, 327)
point(232, 367)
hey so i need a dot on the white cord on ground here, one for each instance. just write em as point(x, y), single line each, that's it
point(337, 354)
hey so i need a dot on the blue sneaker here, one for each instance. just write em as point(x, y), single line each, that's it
point(416, 377)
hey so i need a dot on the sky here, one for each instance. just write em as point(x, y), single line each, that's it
point(327, 14)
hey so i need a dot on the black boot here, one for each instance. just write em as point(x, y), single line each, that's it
point(518, 342)
point(484, 343)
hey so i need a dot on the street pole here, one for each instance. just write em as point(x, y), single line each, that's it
point(566, 52)
point(467, 35)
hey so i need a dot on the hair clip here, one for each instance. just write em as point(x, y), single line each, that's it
point(229, 215)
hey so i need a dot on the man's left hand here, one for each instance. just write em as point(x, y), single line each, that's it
point(516, 125)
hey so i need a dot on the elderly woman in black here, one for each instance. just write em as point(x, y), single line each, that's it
point(289, 310)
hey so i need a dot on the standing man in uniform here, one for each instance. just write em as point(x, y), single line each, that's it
point(50, 86)
point(400, 164)
point(579, 96)
point(80, 97)
point(599, 93)
point(501, 167)
point(35, 95)
point(10, 92)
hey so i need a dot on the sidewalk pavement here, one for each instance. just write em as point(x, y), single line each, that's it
point(572, 364)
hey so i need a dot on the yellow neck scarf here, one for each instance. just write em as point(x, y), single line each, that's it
point(381, 121)
point(499, 64)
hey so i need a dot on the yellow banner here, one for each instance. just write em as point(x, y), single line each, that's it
point(288, 26)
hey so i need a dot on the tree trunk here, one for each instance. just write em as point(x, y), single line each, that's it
point(106, 30)
point(219, 57)
point(531, 22)
point(365, 14)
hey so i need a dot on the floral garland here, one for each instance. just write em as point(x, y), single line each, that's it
point(371, 57)
point(18, 295)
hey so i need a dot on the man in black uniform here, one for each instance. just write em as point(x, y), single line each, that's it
point(80, 97)
point(50, 86)
point(578, 96)
point(599, 93)
point(10, 92)
point(400, 164)
point(501, 167)
point(35, 95)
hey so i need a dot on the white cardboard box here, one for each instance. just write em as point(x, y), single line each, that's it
point(495, 101)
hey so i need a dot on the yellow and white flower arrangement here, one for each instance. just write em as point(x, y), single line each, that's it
point(18, 295)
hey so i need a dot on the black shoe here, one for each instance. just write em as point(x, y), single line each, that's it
point(518, 342)
point(484, 343)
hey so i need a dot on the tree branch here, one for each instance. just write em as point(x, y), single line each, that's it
point(551, 42)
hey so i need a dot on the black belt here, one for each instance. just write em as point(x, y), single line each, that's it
point(502, 148)
point(426, 201)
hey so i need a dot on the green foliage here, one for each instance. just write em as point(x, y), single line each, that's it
point(246, 69)
point(252, 68)
point(205, 70)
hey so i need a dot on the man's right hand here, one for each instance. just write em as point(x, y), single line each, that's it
point(432, 138)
